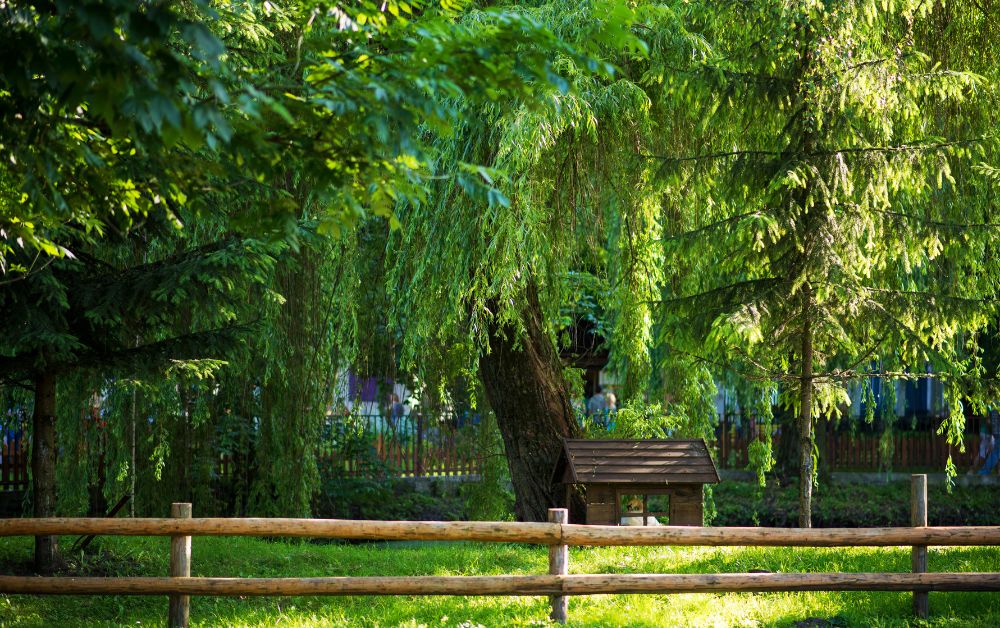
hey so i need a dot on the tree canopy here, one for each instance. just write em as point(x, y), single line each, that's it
point(832, 222)
point(232, 200)
point(162, 162)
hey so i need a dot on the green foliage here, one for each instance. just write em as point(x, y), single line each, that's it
point(93, 100)
point(867, 504)
point(166, 173)
point(825, 188)
point(364, 498)
point(638, 420)
point(467, 253)
point(886, 447)
point(713, 187)
point(760, 459)
point(295, 383)
point(490, 499)
point(156, 308)
point(387, 76)
point(116, 111)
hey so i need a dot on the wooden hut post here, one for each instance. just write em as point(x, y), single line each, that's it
point(180, 567)
point(559, 565)
point(918, 556)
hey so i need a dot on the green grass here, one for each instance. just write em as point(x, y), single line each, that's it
point(254, 557)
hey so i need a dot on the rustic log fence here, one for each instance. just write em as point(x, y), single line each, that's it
point(556, 534)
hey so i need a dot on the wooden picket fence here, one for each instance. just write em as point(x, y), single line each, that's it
point(14, 459)
point(421, 446)
point(14, 451)
point(844, 451)
point(557, 534)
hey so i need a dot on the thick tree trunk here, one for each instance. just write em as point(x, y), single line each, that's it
point(523, 380)
point(43, 467)
point(805, 416)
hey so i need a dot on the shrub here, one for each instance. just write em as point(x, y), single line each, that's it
point(853, 505)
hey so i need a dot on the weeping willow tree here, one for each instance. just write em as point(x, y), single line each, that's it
point(295, 382)
point(830, 224)
point(528, 196)
point(387, 75)
point(221, 110)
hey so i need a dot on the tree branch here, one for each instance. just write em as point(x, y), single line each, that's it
point(732, 286)
point(915, 146)
point(711, 226)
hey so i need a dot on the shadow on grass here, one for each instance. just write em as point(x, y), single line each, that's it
point(244, 557)
point(793, 608)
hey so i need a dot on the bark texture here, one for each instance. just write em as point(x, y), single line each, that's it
point(805, 416)
point(43, 467)
point(523, 380)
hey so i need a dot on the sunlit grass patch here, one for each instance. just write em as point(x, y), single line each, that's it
point(249, 557)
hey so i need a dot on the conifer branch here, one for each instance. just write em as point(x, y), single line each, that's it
point(937, 223)
point(764, 376)
point(920, 294)
point(766, 281)
point(718, 155)
point(16, 383)
point(712, 225)
point(915, 146)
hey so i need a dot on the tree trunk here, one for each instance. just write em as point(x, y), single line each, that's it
point(523, 380)
point(805, 415)
point(43, 467)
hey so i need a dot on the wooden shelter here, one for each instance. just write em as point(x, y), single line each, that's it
point(666, 475)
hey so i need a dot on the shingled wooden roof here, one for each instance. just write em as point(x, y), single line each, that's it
point(635, 461)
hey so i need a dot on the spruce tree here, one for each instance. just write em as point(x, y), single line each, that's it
point(830, 226)
point(99, 312)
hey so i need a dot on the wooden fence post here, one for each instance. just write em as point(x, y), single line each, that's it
point(918, 556)
point(418, 449)
point(180, 567)
point(559, 566)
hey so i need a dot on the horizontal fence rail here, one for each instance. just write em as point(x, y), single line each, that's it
point(510, 532)
point(487, 531)
point(507, 585)
point(556, 534)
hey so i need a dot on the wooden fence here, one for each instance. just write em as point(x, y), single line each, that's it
point(556, 534)
point(14, 458)
point(410, 446)
point(448, 445)
point(433, 447)
point(844, 451)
